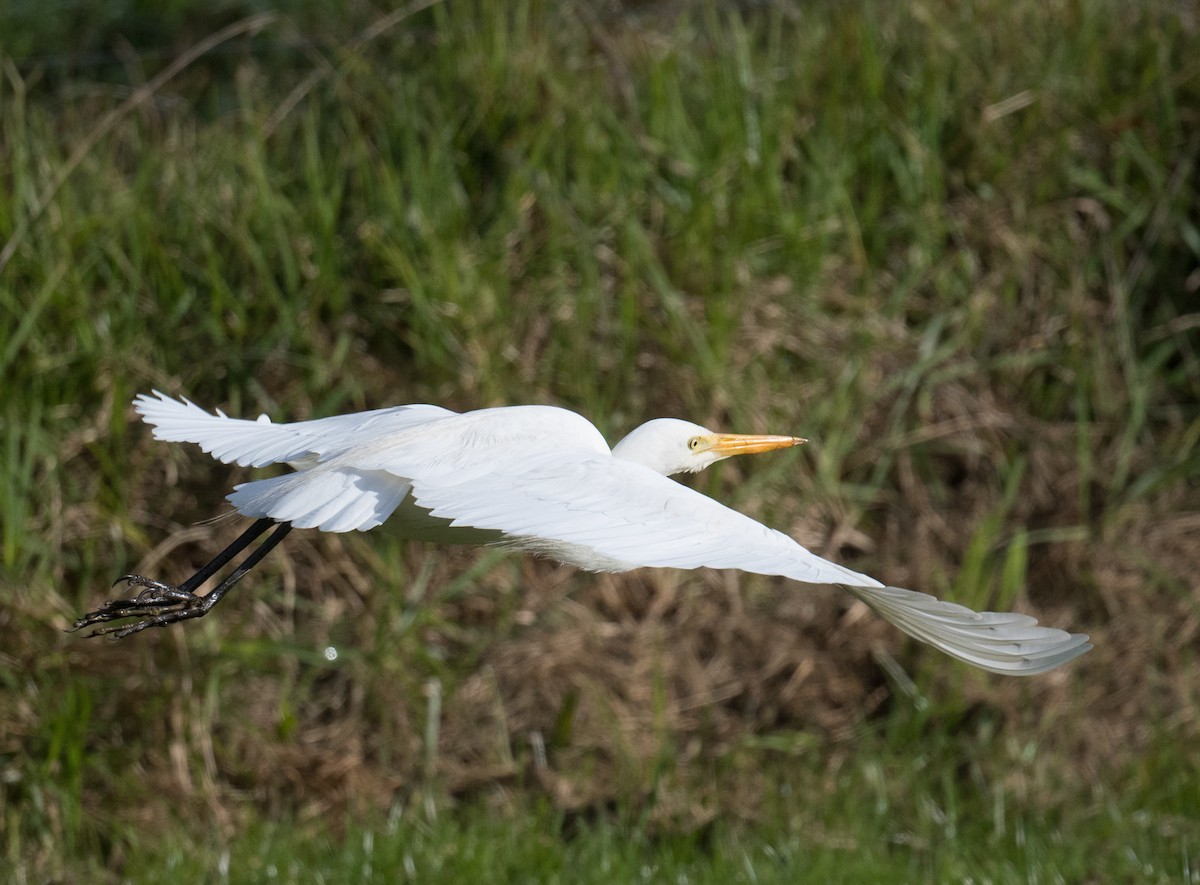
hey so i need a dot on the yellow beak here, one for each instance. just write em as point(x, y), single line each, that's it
point(726, 444)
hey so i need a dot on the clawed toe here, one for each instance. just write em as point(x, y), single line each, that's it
point(156, 593)
point(157, 605)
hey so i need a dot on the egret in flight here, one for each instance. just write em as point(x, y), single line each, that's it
point(533, 478)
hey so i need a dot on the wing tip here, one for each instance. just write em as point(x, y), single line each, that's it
point(1010, 644)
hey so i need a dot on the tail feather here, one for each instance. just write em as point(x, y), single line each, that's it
point(999, 642)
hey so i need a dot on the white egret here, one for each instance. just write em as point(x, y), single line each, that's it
point(534, 478)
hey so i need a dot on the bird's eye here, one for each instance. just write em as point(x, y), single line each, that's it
point(694, 443)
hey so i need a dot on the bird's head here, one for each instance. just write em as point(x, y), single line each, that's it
point(669, 446)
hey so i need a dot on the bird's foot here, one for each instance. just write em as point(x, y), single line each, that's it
point(157, 605)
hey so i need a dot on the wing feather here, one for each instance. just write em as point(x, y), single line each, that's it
point(259, 443)
point(998, 642)
point(333, 500)
point(606, 514)
point(627, 515)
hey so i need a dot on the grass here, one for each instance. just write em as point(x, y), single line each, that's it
point(955, 246)
point(872, 829)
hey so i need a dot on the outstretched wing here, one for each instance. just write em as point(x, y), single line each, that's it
point(606, 514)
point(259, 443)
point(602, 512)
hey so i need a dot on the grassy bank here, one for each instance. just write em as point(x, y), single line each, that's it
point(955, 246)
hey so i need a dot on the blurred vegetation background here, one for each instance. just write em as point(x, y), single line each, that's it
point(955, 244)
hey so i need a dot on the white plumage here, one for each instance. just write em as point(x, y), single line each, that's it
point(543, 479)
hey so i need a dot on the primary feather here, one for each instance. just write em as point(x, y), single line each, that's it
point(543, 479)
point(259, 443)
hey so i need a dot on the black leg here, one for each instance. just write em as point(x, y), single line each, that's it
point(161, 604)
